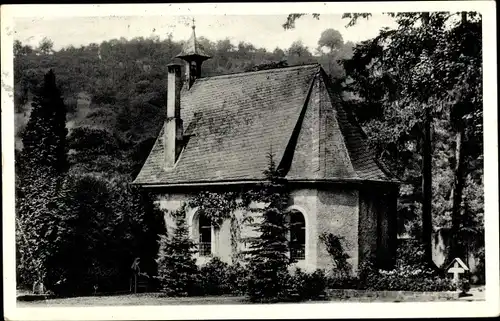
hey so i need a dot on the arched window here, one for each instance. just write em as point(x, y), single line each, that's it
point(205, 235)
point(297, 236)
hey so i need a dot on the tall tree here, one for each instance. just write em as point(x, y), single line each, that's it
point(40, 168)
point(467, 93)
point(297, 48)
point(44, 139)
point(269, 251)
point(46, 46)
point(426, 160)
point(330, 39)
point(407, 79)
point(336, 51)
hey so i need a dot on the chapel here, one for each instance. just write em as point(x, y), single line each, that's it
point(219, 131)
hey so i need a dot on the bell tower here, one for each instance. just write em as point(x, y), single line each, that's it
point(194, 55)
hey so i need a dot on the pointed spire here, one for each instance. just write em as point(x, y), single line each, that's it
point(192, 49)
point(194, 55)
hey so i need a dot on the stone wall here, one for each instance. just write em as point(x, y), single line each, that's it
point(338, 213)
point(327, 209)
point(221, 237)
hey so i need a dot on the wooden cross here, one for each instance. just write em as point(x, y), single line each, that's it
point(456, 270)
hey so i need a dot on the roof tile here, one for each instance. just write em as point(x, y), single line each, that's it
point(234, 121)
point(242, 117)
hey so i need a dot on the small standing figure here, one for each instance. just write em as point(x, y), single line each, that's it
point(136, 271)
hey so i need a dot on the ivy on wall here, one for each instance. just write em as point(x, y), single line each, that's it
point(334, 246)
point(217, 207)
point(221, 206)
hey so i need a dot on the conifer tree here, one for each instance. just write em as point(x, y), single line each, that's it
point(177, 270)
point(40, 167)
point(44, 139)
point(269, 258)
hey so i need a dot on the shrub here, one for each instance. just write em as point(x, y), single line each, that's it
point(293, 286)
point(238, 274)
point(340, 276)
point(303, 286)
point(348, 282)
point(404, 278)
point(412, 254)
point(315, 285)
point(216, 278)
point(401, 282)
point(464, 285)
point(414, 272)
point(411, 273)
point(265, 283)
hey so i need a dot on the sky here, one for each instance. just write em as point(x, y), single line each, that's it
point(261, 30)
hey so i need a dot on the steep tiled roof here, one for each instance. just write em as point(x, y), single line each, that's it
point(234, 121)
point(362, 157)
point(240, 119)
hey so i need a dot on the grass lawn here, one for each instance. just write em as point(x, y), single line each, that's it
point(132, 299)
point(157, 299)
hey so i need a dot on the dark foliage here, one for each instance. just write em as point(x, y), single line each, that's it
point(412, 273)
point(271, 65)
point(441, 72)
point(177, 269)
point(220, 278)
point(102, 227)
point(268, 262)
point(44, 138)
point(301, 286)
point(348, 282)
point(39, 169)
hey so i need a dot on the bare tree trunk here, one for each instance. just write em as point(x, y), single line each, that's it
point(427, 188)
point(427, 178)
point(458, 184)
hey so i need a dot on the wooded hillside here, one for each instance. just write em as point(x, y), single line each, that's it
point(115, 92)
